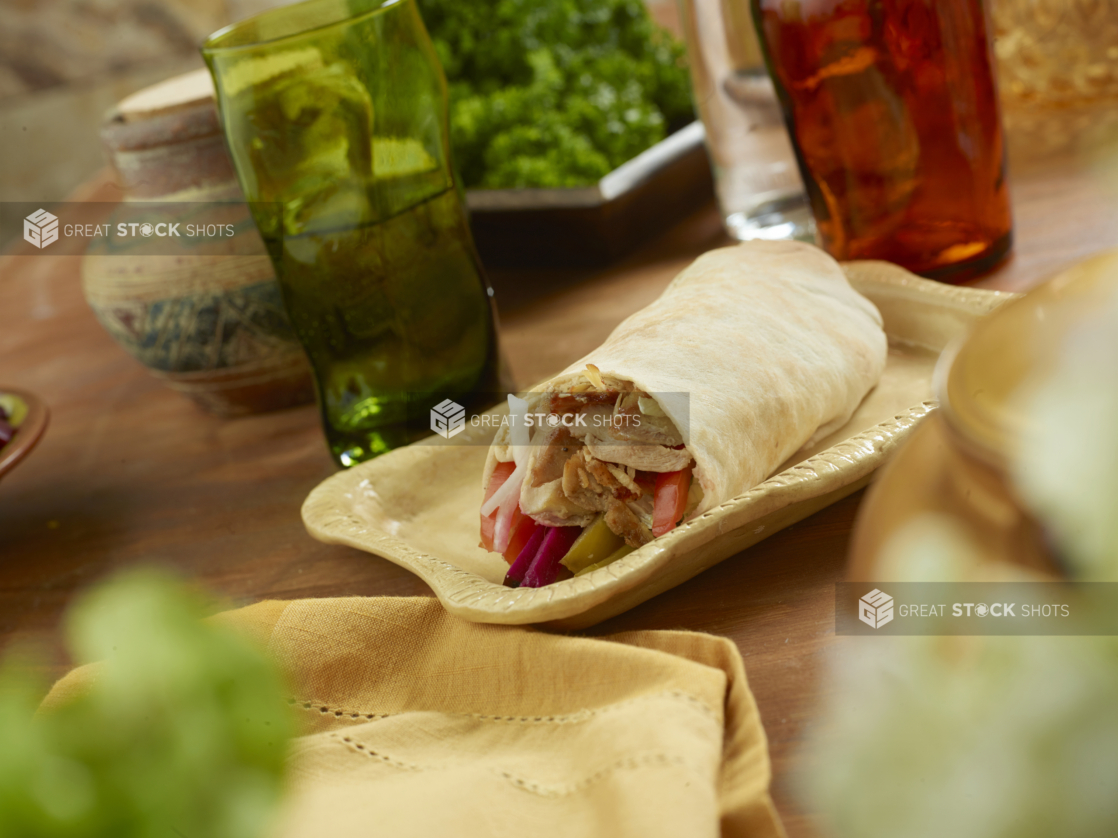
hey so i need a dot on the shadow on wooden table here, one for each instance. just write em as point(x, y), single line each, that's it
point(516, 289)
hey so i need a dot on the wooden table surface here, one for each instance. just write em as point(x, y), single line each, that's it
point(130, 471)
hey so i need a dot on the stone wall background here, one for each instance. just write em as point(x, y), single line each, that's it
point(64, 63)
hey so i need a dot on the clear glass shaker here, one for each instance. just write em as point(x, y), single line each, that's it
point(756, 177)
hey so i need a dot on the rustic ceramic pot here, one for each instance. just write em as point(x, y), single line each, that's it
point(212, 326)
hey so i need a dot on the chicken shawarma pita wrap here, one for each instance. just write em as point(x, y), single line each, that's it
point(749, 354)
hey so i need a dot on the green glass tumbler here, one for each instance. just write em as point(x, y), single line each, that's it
point(335, 113)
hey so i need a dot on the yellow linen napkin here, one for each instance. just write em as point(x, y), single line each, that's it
point(421, 724)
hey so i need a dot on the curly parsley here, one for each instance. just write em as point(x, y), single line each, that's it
point(554, 93)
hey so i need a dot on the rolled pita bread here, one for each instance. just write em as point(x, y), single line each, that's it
point(751, 352)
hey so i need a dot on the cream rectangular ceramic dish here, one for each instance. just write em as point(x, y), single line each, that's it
point(418, 506)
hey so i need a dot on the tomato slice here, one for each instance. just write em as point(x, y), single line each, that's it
point(669, 500)
point(489, 522)
point(522, 528)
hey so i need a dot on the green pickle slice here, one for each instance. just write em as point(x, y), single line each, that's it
point(620, 553)
point(596, 544)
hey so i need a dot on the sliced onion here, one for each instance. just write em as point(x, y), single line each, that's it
point(509, 487)
point(518, 411)
point(503, 529)
point(545, 566)
point(524, 559)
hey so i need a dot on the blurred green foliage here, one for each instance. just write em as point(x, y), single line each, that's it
point(183, 732)
point(554, 93)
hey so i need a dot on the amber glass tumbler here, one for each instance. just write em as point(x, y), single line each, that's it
point(893, 111)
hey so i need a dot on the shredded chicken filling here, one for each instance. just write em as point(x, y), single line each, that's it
point(608, 465)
